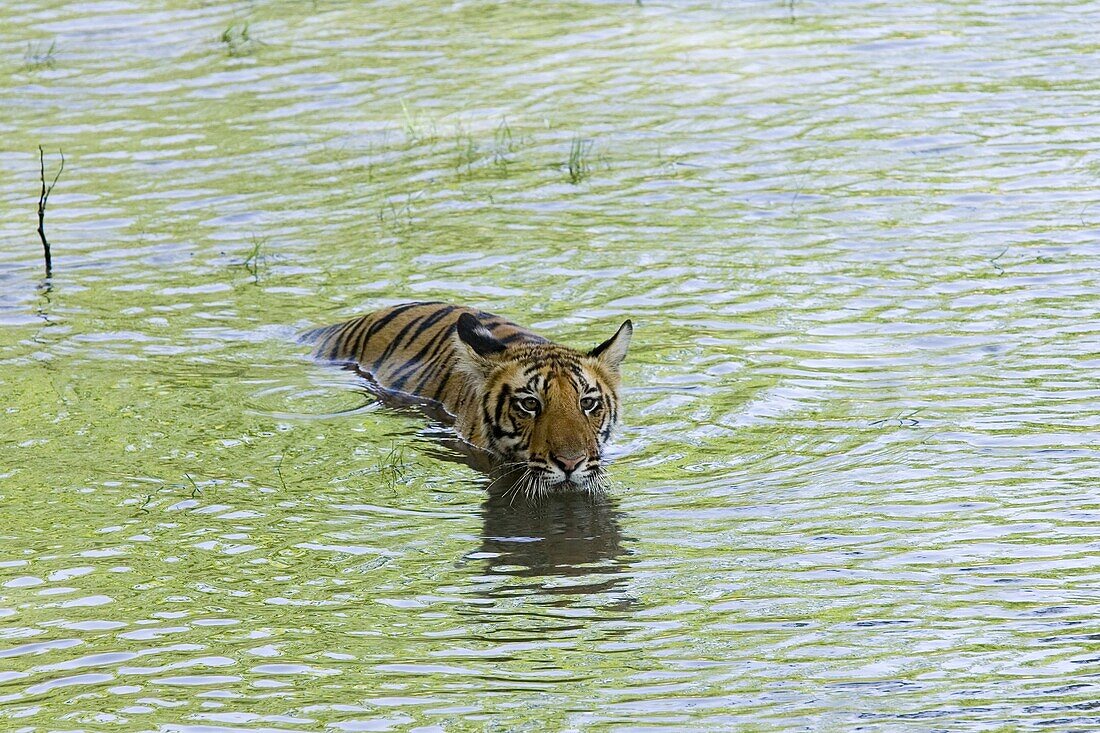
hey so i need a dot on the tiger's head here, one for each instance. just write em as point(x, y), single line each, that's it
point(546, 410)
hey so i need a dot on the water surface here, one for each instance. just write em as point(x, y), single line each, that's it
point(856, 487)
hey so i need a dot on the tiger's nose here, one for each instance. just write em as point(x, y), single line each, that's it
point(567, 463)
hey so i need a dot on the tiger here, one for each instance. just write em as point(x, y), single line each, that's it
point(541, 411)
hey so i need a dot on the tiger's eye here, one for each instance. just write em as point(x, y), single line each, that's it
point(530, 404)
point(588, 404)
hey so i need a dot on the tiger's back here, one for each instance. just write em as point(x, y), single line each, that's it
point(411, 348)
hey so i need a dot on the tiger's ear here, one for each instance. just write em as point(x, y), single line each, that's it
point(478, 343)
point(612, 352)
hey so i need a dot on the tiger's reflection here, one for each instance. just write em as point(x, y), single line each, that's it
point(561, 536)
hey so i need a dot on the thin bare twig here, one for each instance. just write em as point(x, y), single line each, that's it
point(42, 198)
point(1000, 270)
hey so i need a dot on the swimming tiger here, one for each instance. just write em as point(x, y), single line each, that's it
point(540, 409)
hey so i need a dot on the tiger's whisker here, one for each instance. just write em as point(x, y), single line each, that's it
point(507, 474)
point(519, 487)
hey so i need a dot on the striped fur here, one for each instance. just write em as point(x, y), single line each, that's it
point(541, 409)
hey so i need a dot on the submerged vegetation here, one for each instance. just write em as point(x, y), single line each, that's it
point(413, 157)
point(579, 166)
point(256, 258)
point(494, 156)
point(238, 40)
point(392, 466)
point(418, 131)
point(38, 56)
point(504, 144)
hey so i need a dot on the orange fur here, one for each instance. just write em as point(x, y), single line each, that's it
point(527, 401)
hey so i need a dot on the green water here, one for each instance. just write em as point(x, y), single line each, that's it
point(856, 487)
